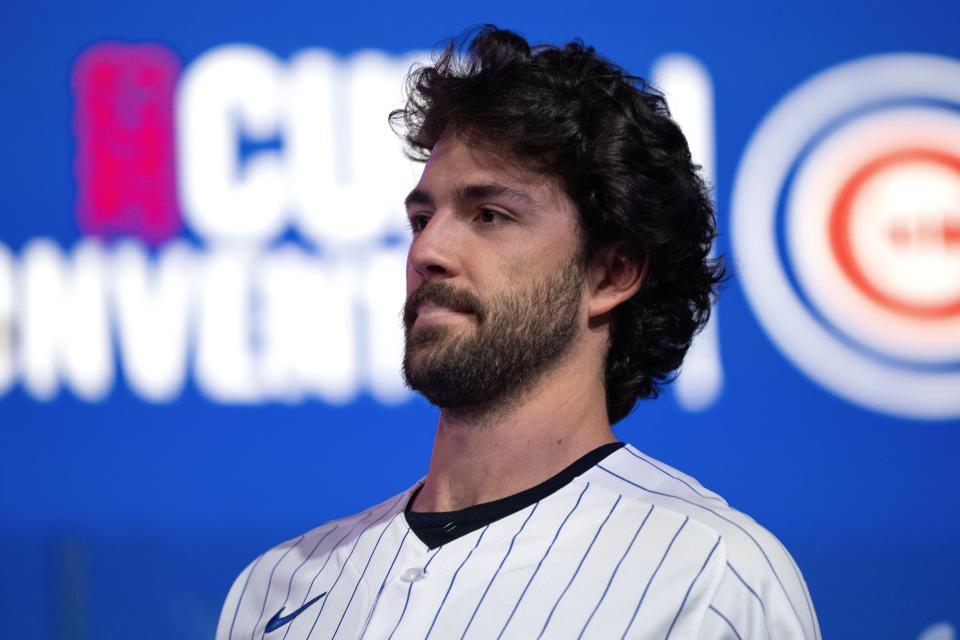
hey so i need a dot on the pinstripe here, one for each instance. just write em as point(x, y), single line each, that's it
point(600, 573)
point(654, 575)
point(806, 591)
point(727, 620)
point(667, 473)
point(540, 564)
point(690, 588)
point(497, 572)
point(324, 566)
point(615, 569)
point(286, 598)
point(579, 566)
point(243, 591)
point(724, 518)
point(409, 591)
point(386, 575)
point(344, 566)
point(454, 579)
point(263, 606)
point(749, 588)
point(364, 572)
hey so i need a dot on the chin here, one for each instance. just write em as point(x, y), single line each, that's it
point(435, 335)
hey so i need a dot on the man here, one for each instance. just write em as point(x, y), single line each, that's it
point(558, 270)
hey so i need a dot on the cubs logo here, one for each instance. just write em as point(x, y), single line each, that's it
point(846, 222)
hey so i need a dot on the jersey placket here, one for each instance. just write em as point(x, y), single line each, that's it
point(416, 586)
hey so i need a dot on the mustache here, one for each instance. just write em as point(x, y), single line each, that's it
point(442, 293)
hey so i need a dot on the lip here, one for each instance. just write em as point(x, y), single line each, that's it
point(430, 310)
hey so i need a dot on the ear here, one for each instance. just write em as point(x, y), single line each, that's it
point(614, 279)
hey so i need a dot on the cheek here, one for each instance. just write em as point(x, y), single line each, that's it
point(535, 263)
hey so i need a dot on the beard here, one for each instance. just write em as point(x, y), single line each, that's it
point(518, 335)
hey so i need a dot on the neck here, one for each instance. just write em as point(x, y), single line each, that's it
point(484, 455)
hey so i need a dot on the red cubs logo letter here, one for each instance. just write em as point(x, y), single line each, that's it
point(123, 124)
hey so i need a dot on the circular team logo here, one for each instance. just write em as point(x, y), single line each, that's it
point(846, 224)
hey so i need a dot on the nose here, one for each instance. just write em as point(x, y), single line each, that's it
point(434, 250)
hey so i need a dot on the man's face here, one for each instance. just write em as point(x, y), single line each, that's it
point(494, 278)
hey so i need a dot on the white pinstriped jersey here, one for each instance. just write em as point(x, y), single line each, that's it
point(630, 549)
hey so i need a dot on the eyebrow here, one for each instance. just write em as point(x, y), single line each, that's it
point(474, 192)
point(418, 196)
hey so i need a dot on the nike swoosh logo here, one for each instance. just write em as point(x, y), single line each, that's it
point(276, 621)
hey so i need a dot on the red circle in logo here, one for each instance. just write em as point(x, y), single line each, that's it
point(841, 236)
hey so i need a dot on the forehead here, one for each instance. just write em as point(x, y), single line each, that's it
point(458, 169)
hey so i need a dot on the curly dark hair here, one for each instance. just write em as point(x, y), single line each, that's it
point(608, 137)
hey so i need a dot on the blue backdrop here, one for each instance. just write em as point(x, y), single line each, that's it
point(163, 420)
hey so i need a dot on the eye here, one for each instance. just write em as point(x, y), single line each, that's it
point(418, 222)
point(491, 216)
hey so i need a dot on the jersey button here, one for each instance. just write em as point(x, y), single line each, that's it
point(412, 574)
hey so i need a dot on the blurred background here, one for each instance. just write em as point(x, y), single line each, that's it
point(201, 267)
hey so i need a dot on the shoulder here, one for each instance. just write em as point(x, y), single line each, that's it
point(338, 533)
point(249, 589)
point(760, 583)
